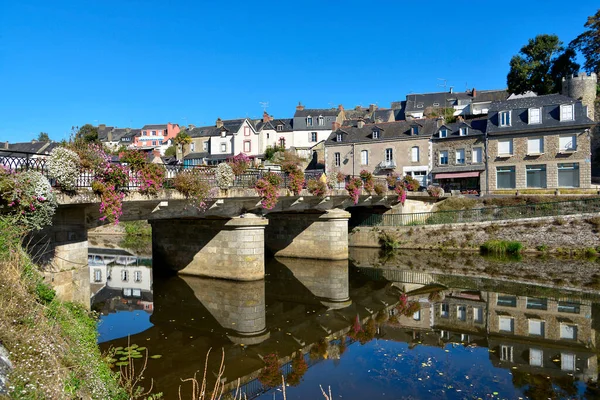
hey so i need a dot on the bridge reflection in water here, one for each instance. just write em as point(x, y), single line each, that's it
point(305, 305)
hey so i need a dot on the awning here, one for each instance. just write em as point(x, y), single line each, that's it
point(472, 174)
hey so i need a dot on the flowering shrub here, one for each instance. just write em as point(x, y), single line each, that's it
point(391, 180)
point(316, 187)
point(63, 165)
point(267, 188)
point(115, 175)
point(225, 176)
point(319, 349)
point(379, 189)
point(195, 188)
point(435, 191)
point(92, 156)
point(407, 308)
point(299, 368)
point(400, 191)
point(135, 159)
point(150, 179)
point(111, 204)
point(339, 177)
point(239, 164)
point(296, 179)
point(28, 197)
point(270, 374)
point(411, 184)
point(353, 187)
point(368, 181)
point(363, 334)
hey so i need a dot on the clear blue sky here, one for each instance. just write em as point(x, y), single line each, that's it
point(135, 62)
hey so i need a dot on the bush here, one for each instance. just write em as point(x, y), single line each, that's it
point(267, 188)
point(193, 187)
point(63, 165)
point(239, 164)
point(339, 177)
point(271, 151)
point(410, 183)
point(435, 191)
point(368, 181)
point(316, 187)
point(400, 191)
point(151, 178)
point(500, 247)
point(389, 240)
point(296, 179)
point(391, 180)
point(224, 176)
point(135, 159)
point(354, 189)
point(379, 189)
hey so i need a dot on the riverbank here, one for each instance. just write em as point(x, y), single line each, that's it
point(569, 235)
point(51, 344)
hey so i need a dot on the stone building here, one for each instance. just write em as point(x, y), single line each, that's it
point(458, 155)
point(538, 143)
point(401, 147)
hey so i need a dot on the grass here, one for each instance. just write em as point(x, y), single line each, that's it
point(500, 247)
point(138, 237)
point(389, 240)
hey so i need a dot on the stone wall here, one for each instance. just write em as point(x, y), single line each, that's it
point(468, 143)
point(5, 369)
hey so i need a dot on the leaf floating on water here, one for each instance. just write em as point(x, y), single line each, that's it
point(141, 348)
point(156, 356)
point(122, 364)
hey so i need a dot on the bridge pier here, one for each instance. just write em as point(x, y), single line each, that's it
point(216, 248)
point(322, 236)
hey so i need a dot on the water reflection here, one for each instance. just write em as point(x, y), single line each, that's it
point(365, 331)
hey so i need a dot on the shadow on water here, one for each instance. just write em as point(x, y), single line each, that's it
point(358, 333)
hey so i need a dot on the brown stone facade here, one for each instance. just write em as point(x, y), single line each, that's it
point(550, 158)
point(452, 145)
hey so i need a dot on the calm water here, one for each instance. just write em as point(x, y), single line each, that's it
point(388, 333)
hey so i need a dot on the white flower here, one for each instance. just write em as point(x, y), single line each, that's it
point(63, 165)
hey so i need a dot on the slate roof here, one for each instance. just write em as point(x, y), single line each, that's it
point(203, 154)
point(383, 115)
point(489, 95)
point(315, 112)
point(477, 127)
point(231, 125)
point(288, 124)
point(550, 105)
point(17, 149)
point(103, 133)
point(418, 102)
point(387, 131)
point(158, 126)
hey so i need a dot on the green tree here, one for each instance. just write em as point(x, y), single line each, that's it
point(588, 43)
point(87, 133)
point(43, 137)
point(540, 65)
point(182, 139)
point(171, 151)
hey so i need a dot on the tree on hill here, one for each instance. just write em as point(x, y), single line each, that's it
point(43, 137)
point(171, 151)
point(182, 139)
point(588, 43)
point(88, 133)
point(540, 66)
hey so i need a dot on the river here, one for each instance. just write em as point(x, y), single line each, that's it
point(360, 329)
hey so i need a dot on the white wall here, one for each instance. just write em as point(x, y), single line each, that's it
point(302, 138)
point(247, 134)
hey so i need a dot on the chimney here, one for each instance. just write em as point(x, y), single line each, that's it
point(335, 126)
point(219, 123)
point(460, 118)
point(451, 89)
point(6, 145)
point(191, 126)
point(33, 141)
point(372, 107)
point(102, 126)
point(341, 107)
point(474, 93)
point(439, 121)
point(109, 136)
point(299, 107)
point(360, 123)
point(266, 117)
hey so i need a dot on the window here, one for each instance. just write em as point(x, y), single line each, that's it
point(313, 136)
point(223, 133)
point(375, 134)
point(414, 153)
point(247, 146)
point(460, 156)
point(338, 138)
point(536, 327)
point(321, 120)
point(154, 143)
point(568, 175)
point(536, 357)
point(567, 143)
point(205, 146)
point(567, 361)
point(223, 147)
point(417, 316)
point(279, 128)
point(566, 112)
point(160, 142)
point(337, 158)
point(282, 142)
point(124, 275)
point(568, 331)
point(477, 315)
point(505, 147)
point(506, 324)
point(535, 146)
point(414, 130)
point(364, 157)
point(445, 310)
point(308, 121)
point(463, 131)
point(153, 133)
point(535, 116)
point(97, 275)
point(505, 178)
point(444, 157)
point(536, 176)
point(535, 303)
point(506, 353)
point(465, 338)
point(504, 118)
point(246, 131)
point(477, 155)
point(506, 301)
point(461, 312)
point(137, 276)
point(568, 307)
point(192, 146)
point(389, 155)
point(444, 133)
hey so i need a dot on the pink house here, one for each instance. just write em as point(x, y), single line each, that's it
point(156, 135)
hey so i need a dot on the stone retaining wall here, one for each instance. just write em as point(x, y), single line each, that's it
point(5, 369)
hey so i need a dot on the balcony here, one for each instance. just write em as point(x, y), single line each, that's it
point(387, 164)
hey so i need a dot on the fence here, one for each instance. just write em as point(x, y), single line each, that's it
point(558, 208)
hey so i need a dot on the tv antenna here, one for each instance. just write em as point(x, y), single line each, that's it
point(264, 105)
point(442, 84)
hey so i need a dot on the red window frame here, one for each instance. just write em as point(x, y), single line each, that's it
point(249, 146)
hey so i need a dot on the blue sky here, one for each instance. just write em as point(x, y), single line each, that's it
point(135, 62)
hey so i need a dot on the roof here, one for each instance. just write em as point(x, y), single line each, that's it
point(35, 147)
point(159, 126)
point(387, 131)
point(418, 102)
point(192, 156)
point(550, 105)
point(383, 115)
point(231, 125)
point(103, 132)
point(287, 123)
point(315, 112)
point(477, 127)
point(489, 95)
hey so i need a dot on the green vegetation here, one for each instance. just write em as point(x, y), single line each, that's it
point(138, 237)
point(389, 240)
point(500, 247)
point(171, 151)
point(588, 43)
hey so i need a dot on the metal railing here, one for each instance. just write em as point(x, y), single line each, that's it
point(549, 209)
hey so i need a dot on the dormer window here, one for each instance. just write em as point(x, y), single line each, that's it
point(279, 128)
point(309, 121)
point(566, 112)
point(443, 133)
point(321, 120)
point(375, 134)
point(535, 116)
point(338, 137)
point(463, 131)
point(504, 118)
point(420, 105)
point(414, 130)
point(223, 133)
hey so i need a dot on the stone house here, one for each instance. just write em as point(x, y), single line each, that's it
point(537, 143)
point(458, 155)
point(312, 126)
point(460, 317)
point(401, 147)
